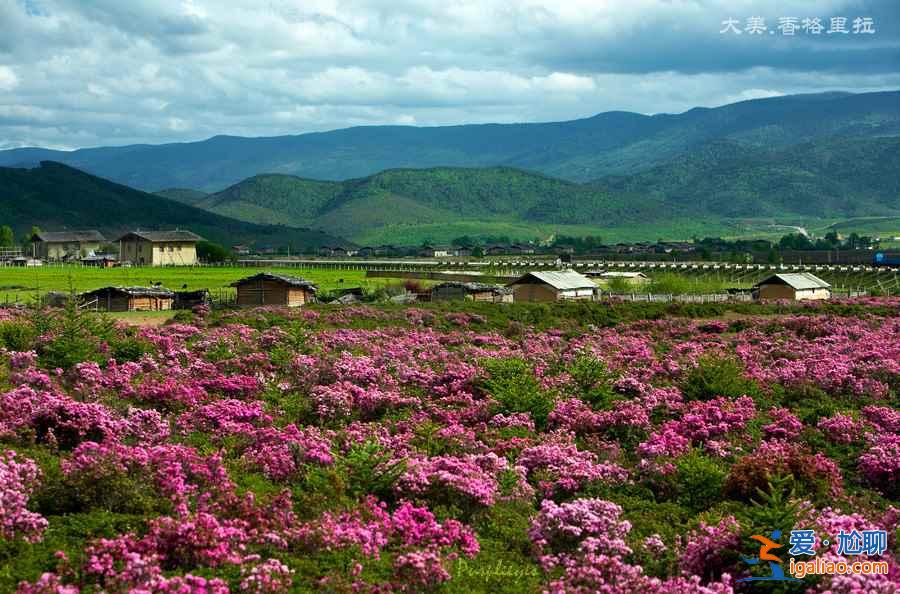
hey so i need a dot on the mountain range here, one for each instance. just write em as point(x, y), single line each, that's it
point(825, 157)
point(611, 143)
point(718, 181)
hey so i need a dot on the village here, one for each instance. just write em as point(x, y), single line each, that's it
point(555, 280)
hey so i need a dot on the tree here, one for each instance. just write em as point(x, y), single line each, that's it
point(208, 251)
point(464, 241)
point(7, 237)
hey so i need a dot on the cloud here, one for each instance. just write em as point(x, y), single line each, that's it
point(102, 72)
point(8, 79)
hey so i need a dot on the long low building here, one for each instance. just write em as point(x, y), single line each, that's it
point(625, 276)
point(66, 245)
point(553, 286)
point(455, 290)
point(129, 299)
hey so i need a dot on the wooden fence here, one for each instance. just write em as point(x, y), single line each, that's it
point(678, 298)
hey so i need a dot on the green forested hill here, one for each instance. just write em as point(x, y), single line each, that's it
point(828, 178)
point(611, 143)
point(57, 197)
point(183, 195)
point(424, 196)
point(714, 183)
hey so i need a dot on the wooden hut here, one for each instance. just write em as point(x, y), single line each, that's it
point(190, 299)
point(129, 299)
point(267, 288)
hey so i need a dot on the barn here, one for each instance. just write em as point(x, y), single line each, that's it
point(795, 286)
point(65, 245)
point(454, 290)
point(128, 299)
point(267, 288)
point(553, 286)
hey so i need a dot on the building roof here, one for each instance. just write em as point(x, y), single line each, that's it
point(616, 274)
point(474, 287)
point(133, 291)
point(294, 281)
point(560, 279)
point(795, 280)
point(69, 236)
point(157, 236)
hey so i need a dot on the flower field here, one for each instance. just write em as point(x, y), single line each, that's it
point(368, 449)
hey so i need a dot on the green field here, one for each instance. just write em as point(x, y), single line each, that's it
point(23, 284)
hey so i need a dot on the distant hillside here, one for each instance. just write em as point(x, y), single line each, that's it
point(712, 185)
point(57, 197)
point(183, 195)
point(612, 143)
point(827, 178)
point(424, 196)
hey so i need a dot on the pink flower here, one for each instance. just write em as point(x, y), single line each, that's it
point(18, 479)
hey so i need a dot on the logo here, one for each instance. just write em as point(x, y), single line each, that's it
point(866, 543)
point(774, 562)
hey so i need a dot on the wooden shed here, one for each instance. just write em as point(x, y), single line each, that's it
point(129, 299)
point(553, 286)
point(455, 290)
point(267, 288)
point(795, 286)
point(190, 299)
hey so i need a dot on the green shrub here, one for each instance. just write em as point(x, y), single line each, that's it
point(17, 335)
point(698, 480)
point(593, 379)
point(183, 316)
point(129, 348)
point(77, 336)
point(505, 563)
point(512, 384)
point(717, 376)
point(117, 493)
point(370, 470)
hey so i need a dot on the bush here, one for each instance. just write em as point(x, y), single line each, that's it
point(77, 336)
point(717, 376)
point(129, 349)
point(512, 384)
point(698, 480)
point(17, 336)
point(593, 380)
point(368, 469)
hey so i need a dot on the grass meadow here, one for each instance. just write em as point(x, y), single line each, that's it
point(23, 284)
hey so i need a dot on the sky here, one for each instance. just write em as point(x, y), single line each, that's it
point(78, 73)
